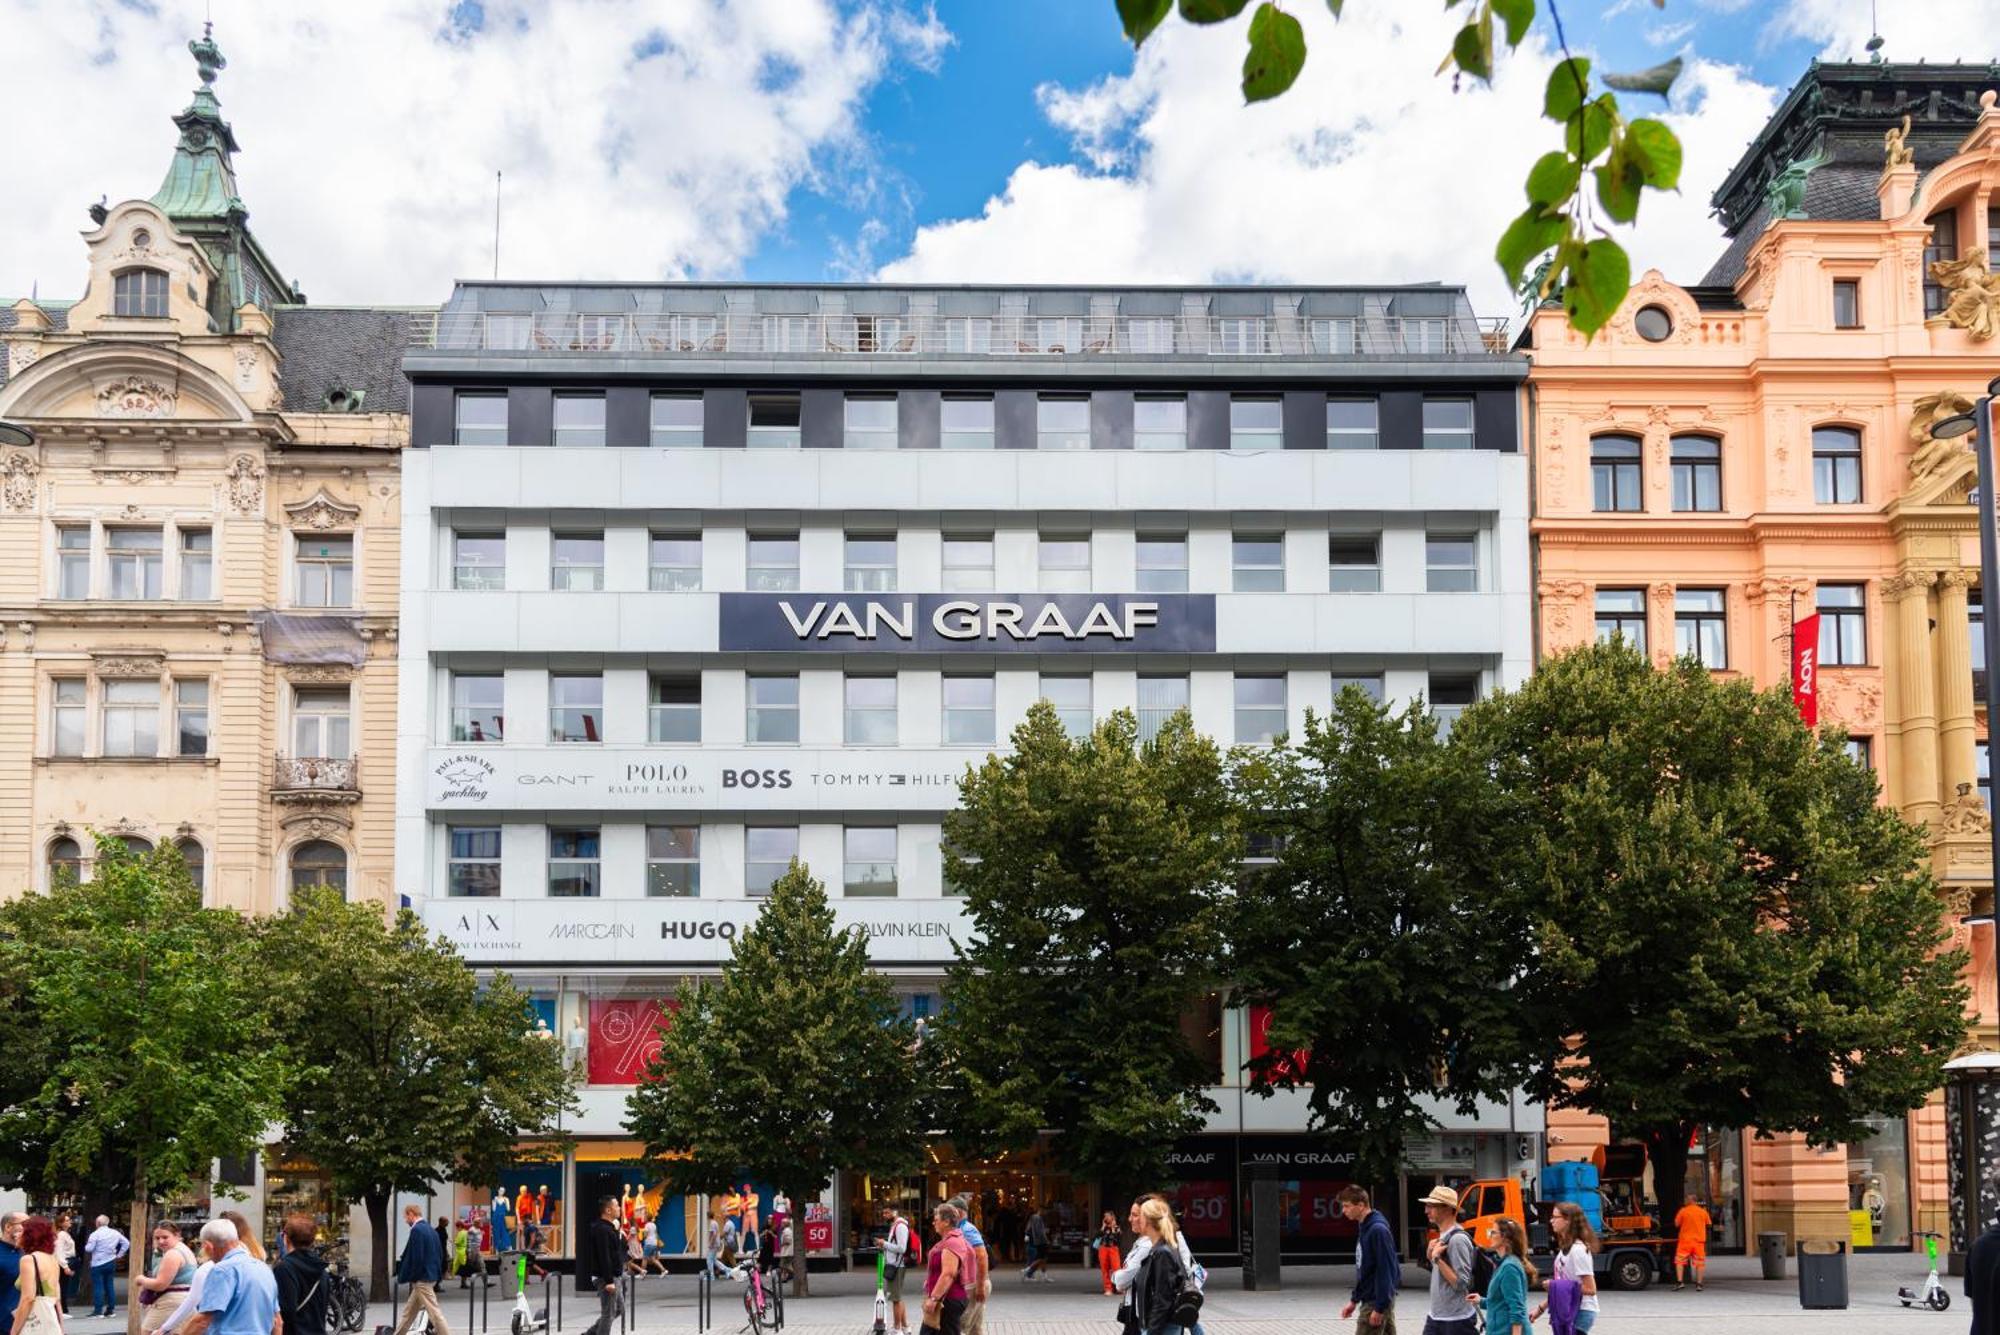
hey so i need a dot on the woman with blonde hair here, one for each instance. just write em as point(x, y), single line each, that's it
point(1162, 1275)
point(1507, 1294)
point(1576, 1242)
point(245, 1234)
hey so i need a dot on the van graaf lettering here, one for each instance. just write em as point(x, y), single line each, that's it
point(821, 624)
point(966, 620)
point(698, 931)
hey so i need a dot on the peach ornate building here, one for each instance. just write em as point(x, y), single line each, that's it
point(1730, 454)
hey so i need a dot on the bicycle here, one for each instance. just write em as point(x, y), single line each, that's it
point(763, 1308)
point(1933, 1294)
point(347, 1297)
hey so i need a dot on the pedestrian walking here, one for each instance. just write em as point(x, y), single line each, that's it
point(1126, 1276)
point(946, 1280)
point(246, 1233)
point(162, 1292)
point(1107, 1248)
point(422, 1268)
point(1156, 1296)
point(239, 1295)
point(979, 1285)
point(1377, 1269)
point(1982, 1279)
point(1575, 1242)
point(1691, 1245)
point(196, 1286)
point(1451, 1256)
point(38, 1286)
point(599, 1264)
point(66, 1257)
point(105, 1248)
point(305, 1299)
point(1507, 1296)
point(1038, 1250)
point(10, 1263)
point(895, 1259)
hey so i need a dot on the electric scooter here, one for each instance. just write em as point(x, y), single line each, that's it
point(525, 1320)
point(881, 1326)
point(1933, 1294)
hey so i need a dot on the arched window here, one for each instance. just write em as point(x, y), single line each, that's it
point(1614, 473)
point(319, 863)
point(139, 292)
point(136, 846)
point(1836, 465)
point(65, 861)
point(196, 860)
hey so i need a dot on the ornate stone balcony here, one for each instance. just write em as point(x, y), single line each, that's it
point(298, 779)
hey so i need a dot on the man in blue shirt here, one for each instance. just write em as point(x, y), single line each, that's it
point(422, 1267)
point(240, 1294)
point(10, 1266)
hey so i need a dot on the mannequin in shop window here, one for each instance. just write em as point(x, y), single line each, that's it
point(503, 1229)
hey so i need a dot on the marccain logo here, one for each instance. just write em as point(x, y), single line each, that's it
point(465, 777)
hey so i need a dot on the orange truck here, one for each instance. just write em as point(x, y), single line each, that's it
point(1631, 1252)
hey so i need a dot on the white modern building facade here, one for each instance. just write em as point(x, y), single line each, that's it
point(699, 579)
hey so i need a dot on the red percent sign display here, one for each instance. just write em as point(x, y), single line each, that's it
point(625, 1037)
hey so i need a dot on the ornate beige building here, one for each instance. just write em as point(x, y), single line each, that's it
point(198, 558)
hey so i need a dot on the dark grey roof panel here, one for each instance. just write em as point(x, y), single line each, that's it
point(335, 347)
point(511, 299)
point(602, 301)
point(1059, 303)
point(878, 303)
point(1153, 304)
point(785, 301)
point(1332, 303)
point(1240, 303)
point(968, 303)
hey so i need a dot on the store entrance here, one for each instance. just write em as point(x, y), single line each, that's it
point(1005, 1189)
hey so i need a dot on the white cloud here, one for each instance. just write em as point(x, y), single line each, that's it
point(637, 140)
point(1967, 30)
point(1369, 170)
point(1668, 34)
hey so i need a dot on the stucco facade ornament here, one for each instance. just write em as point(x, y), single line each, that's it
point(17, 481)
point(322, 512)
point(324, 674)
point(20, 356)
point(1966, 815)
point(128, 665)
point(136, 396)
point(317, 823)
point(1559, 602)
point(1975, 294)
point(1932, 453)
point(1854, 703)
point(1896, 153)
point(246, 485)
point(246, 368)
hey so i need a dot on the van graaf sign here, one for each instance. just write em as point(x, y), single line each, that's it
point(931, 623)
point(580, 778)
point(651, 931)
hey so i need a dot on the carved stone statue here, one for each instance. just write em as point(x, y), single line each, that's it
point(1932, 453)
point(1785, 196)
point(1896, 153)
point(1965, 814)
point(1975, 294)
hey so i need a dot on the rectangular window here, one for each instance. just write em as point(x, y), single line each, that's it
point(1256, 423)
point(676, 422)
point(673, 710)
point(772, 716)
point(197, 564)
point(788, 333)
point(1614, 474)
point(1975, 623)
point(882, 333)
point(871, 422)
point(1450, 693)
point(472, 861)
point(869, 864)
point(965, 422)
point(1701, 627)
point(576, 862)
point(1260, 709)
point(325, 571)
point(774, 563)
point(1059, 334)
point(1151, 335)
point(871, 711)
point(1334, 337)
point(968, 711)
point(673, 861)
point(478, 560)
point(139, 292)
point(1451, 562)
point(131, 718)
point(1447, 424)
point(1160, 698)
point(1426, 336)
point(1621, 614)
point(1846, 303)
point(478, 707)
point(1159, 422)
point(968, 564)
point(509, 333)
point(579, 419)
point(1062, 422)
point(871, 564)
point(1861, 752)
point(1258, 564)
point(774, 422)
point(1243, 336)
point(73, 561)
point(768, 853)
point(482, 420)
point(673, 563)
point(576, 707)
point(1354, 562)
point(322, 723)
point(1071, 697)
point(576, 561)
point(968, 334)
point(137, 567)
point(1065, 564)
point(1843, 625)
point(1352, 424)
point(1369, 684)
point(1836, 465)
point(1697, 474)
point(1162, 563)
point(1943, 247)
point(191, 716)
point(68, 711)
point(1985, 773)
point(599, 333)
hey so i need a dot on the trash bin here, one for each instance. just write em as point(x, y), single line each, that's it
point(1771, 1252)
point(1823, 1276)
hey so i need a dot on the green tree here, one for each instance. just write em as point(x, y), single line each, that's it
point(1368, 937)
point(412, 1069)
point(791, 1067)
point(1590, 273)
point(1729, 930)
point(1092, 870)
point(146, 1029)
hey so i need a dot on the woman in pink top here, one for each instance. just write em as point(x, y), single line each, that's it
point(944, 1285)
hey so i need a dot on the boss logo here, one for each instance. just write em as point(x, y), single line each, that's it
point(756, 778)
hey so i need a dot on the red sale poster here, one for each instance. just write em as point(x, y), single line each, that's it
point(624, 1038)
point(1319, 1209)
point(1202, 1209)
point(819, 1235)
point(1292, 1065)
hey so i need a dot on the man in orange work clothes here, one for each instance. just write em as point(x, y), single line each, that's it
point(1692, 1245)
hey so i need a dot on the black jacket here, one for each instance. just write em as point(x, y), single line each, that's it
point(303, 1292)
point(1158, 1288)
point(602, 1259)
point(1982, 1272)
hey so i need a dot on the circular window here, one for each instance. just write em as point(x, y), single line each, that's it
point(1653, 323)
point(142, 238)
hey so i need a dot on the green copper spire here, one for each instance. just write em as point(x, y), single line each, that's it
point(201, 182)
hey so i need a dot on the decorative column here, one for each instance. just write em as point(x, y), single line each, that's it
point(1909, 592)
point(1957, 753)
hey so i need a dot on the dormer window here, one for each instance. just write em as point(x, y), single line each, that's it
point(139, 292)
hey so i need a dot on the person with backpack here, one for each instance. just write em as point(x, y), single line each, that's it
point(1452, 1256)
point(304, 1296)
point(1377, 1269)
point(1126, 1277)
point(1165, 1300)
